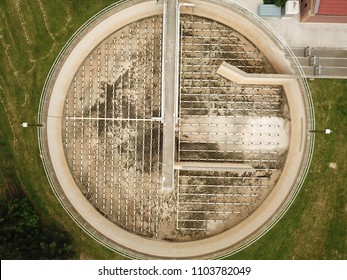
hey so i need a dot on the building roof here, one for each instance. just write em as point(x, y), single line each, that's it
point(266, 11)
point(332, 7)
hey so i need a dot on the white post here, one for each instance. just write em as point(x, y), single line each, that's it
point(328, 131)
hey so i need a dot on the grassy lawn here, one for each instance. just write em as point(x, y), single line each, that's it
point(315, 225)
point(31, 36)
point(28, 47)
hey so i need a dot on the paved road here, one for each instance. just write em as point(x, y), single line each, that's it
point(299, 34)
point(169, 91)
point(329, 41)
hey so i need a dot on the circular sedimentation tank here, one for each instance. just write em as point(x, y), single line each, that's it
point(242, 141)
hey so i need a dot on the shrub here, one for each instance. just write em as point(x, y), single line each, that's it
point(279, 3)
point(23, 236)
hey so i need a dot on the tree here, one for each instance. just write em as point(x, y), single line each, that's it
point(23, 236)
point(279, 3)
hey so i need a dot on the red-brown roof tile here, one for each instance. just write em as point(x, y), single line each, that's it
point(333, 7)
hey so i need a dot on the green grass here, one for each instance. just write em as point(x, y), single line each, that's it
point(313, 228)
point(315, 225)
point(8, 177)
point(21, 78)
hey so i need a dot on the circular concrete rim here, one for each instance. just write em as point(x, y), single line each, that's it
point(112, 236)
